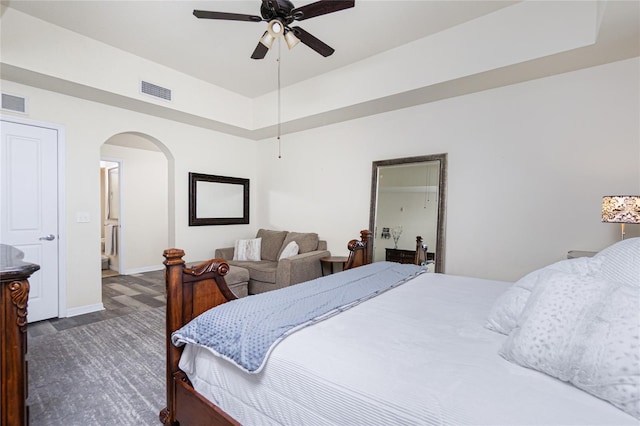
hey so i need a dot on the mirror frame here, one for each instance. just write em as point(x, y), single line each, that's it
point(113, 193)
point(194, 178)
point(442, 199)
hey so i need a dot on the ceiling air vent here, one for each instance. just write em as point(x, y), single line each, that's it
point(14, 103)
point(155, 90)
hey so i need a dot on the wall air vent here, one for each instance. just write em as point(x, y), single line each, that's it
point(155, 90)
point(14, 103)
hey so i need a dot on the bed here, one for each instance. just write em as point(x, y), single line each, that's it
point(430, 349)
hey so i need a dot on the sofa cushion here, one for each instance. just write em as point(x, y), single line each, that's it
point(263, 270)
point(271, 243)
point(236, 275)
point(307, 241)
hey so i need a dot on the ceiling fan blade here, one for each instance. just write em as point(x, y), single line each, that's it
point(314, 43)
point(321, 7)
point(205, 14)
point(260, 51)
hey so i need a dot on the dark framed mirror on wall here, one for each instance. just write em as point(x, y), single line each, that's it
point(218, 200)
point(408, 199)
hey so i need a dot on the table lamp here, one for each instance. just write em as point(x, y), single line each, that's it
point(621, 209)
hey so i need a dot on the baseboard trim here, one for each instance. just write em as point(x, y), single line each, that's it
point(143, 270)
point(87, 309)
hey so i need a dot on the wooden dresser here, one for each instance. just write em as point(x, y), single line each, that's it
point(404, 256)
point(14, 274)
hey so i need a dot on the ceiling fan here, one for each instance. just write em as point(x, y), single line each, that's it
point(280, 14)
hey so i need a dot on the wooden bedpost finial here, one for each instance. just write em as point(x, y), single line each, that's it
point(420, 254)
point(173, 256)
point(365, 235)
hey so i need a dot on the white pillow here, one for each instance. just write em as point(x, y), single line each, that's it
point(290, 250)
point(621, 262)
point(507, 308)
point(583, 330)
point(247, 249)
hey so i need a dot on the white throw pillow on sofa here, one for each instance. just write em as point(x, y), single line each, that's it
point(583, 330)
point(247, 249)
point(290, 250)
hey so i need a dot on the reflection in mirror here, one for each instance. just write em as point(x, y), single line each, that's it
point(113, 194)
point(210, 194)
point(408, 197)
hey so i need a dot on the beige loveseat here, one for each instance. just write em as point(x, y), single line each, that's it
point(269, 273)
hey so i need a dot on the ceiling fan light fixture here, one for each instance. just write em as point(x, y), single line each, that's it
point(267, 39)
point(275, 28)
point(280, 14)
point(290, 39)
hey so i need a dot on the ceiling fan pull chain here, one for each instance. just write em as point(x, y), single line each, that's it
point(279, 104)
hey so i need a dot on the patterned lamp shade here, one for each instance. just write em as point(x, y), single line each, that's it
point(621, 209)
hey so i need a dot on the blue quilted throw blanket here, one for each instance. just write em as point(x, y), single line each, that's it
point(244, 331)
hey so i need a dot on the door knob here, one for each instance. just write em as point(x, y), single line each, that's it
point(49, 237)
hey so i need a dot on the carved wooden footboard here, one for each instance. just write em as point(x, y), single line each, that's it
point(359, 251)
point(190, 292)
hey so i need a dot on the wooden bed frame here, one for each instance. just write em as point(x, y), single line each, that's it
point(190, 292)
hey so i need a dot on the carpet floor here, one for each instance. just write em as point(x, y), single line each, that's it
point(111, 372)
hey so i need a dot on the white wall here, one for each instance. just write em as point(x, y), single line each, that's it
point(528, 166)
point(88, 125)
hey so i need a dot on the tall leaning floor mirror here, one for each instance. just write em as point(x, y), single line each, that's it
point(408, 199)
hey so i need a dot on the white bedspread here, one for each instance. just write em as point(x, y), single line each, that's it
point(418, 355)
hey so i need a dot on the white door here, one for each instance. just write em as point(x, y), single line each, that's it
point(29, 208)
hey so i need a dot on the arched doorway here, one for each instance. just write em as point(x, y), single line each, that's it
point(138, 217)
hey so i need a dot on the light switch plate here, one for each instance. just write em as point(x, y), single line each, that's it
point(83, 217)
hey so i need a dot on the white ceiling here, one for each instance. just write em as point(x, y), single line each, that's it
point(167, 33)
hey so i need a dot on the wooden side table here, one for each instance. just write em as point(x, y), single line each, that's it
point(331, 261)
point(404, 256)
point(400, 256)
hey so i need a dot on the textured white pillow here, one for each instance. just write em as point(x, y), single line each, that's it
point(507, 308)
point(290, 250)
point(583, 330)
point(621, 262)
point(247, 249)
